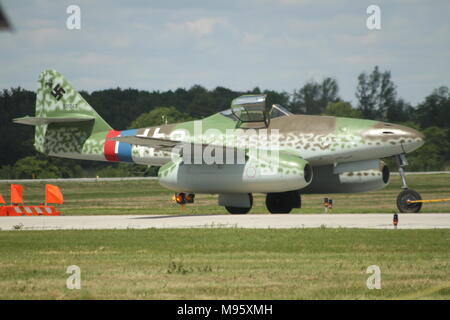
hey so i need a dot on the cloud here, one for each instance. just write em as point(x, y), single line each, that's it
point(275, 44)
point(198, 28)
point(46, 36)
point(364, 60)
point(252, 38)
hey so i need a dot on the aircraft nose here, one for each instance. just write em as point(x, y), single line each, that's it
point(409, 139)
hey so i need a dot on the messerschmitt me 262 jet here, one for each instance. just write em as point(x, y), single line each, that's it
point(250, 148)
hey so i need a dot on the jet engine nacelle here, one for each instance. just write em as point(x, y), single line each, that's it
point(329, 180)
point(279, 173)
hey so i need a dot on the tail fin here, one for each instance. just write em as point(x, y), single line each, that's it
point(62, 116)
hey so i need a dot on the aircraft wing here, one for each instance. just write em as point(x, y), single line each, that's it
point(151, 142)
point(166, 144)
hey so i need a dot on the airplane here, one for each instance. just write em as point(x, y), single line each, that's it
point(4, 22)
point(250, 148)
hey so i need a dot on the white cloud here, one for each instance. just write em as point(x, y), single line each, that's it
point(198, 28)
point(46, 36)
point(252, 38)
point(275, 44)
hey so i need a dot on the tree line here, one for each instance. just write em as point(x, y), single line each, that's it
point(376, 98)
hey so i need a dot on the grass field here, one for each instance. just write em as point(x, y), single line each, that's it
point(148, 197)
point(225, 263)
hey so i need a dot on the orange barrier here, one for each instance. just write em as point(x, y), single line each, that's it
point(28, 211)
point(53, 194)
point(16, 193)
point(17, 208)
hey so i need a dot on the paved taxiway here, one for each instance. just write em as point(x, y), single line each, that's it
point(264, 221)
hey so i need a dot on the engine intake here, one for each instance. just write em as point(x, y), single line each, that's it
point(327, 181)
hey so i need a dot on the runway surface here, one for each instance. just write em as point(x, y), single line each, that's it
point(263, 221)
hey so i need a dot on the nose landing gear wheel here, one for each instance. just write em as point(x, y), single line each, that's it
point(404, 206)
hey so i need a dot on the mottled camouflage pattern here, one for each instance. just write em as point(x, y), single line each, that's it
point(58, 139)
point(320, 140)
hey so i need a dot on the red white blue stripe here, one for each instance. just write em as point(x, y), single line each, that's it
point(118, 151)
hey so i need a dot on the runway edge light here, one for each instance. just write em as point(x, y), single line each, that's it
point(395, 220)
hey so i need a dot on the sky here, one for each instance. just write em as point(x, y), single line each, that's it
point(238, 44)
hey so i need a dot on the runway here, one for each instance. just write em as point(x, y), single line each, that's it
point(259, 221)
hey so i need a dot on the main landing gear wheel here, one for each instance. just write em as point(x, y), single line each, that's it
point(240, 210)
point(411, 195)
point(283, 202)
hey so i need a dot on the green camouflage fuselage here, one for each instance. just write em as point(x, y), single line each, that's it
point(66, 126)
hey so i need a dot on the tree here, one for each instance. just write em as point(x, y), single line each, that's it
point(435, 110)
point(159, 116)
point(6, 172)
point(329, 91)
point(202, 102)
point(223, 97)
point(400, 111)
point(16, 141)
point(313, 97)
point(432, 155)
point(126, 169)
point(376, 93)
point(114, 172)
point(122, 108)
point(41, 166)
point(275, 97)
point(342, 109)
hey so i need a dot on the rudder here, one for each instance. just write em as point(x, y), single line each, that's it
point(69, 119)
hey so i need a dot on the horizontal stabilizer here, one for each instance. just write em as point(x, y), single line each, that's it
point(36, 121)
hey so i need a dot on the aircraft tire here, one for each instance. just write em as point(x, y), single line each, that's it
point(408, 194)
point(278, 203)
point(237, 210)
point(240, 210)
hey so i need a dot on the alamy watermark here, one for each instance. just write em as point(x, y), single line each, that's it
point(231, 146)
point(73, 21)
point(74, 280)
point(374, 280)
point(373, 22)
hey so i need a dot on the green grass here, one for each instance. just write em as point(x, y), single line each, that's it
point(225, 264)
point(148, 197)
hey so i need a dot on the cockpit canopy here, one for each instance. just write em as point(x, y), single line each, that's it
point(253, 109)
point(279, 111)
point(250, 108)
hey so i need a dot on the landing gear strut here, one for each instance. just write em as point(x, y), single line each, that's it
point(407, 194)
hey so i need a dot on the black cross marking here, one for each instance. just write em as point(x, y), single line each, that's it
point(58, 92)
